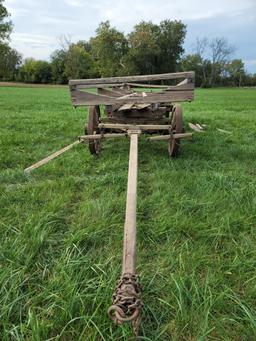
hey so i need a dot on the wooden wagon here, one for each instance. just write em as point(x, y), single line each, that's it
point(134, 103)
point(130, 106)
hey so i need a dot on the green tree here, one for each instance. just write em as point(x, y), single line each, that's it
point(157, 48)
point(58, 64)
point(144, 49)
point(5, 26)
point(8, 57)
point(202, 68)
point(35, 71)
point(10, 61)
point(193, 62)
point(86, 45)
point(79, 63)
point(109, 49)
point(170, 41)
point(236, 71)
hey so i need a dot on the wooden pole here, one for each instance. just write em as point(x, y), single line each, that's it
point(129, 248)
point(126, 303)
point(168, 137)
point(50, 157)
point(84, 138)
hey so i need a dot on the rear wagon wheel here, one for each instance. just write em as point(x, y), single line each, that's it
point(93, 128)
point(177, 127)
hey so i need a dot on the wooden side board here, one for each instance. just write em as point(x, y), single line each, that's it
point(183, 86)
point(118, 90)
point(129, 79)
point(80, 98)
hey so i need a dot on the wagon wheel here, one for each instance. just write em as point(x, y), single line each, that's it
point(177, 127)
point(92, 128)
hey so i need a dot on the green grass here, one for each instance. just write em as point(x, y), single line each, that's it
point(62, 226)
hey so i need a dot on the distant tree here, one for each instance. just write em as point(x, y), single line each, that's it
point(214, 56)
point(249, 79)
point(109, 49)
point(58, 64)
point(235, 71)
point(86, 45)
point(79, 63)
point(170, 43)
point(43, 72)
point(10, 60)
point(201, 46)
point(220, 52)
point(8, 57)
point(5, 25)
point(144, 50)
point(35, 71)
point(157, 48)
point(200, 49)
point(193, 62)
point(202, 68)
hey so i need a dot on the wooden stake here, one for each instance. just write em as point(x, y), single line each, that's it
point(84, 138)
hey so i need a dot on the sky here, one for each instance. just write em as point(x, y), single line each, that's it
point(40, 24)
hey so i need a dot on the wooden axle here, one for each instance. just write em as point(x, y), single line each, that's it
point(84, 138)
point(135, 126)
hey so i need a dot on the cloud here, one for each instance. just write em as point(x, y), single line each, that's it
point(234, 19)
point(75, 3)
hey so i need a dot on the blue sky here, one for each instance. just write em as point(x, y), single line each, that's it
point(39, 24)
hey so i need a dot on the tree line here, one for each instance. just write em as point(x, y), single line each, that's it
point(149, 48)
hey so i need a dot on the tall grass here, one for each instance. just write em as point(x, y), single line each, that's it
point(62, 226)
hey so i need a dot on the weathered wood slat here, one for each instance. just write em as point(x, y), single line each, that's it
point(52, 156)
point(224, 131)
point(178, 87)
point(112, 93)
point(126, 106)
point(135, 126)
point(130, 79)
point(139, 120)
point(184, 82)
point(167, 137)
point(80, 98)
point(185, 86)
point(100, 137)
point(195, 128)
point(129, 248)
point(149, 86)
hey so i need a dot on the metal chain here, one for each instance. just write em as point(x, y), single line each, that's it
point(127, 302)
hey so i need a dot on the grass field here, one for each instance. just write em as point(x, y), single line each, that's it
point(62, 226)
